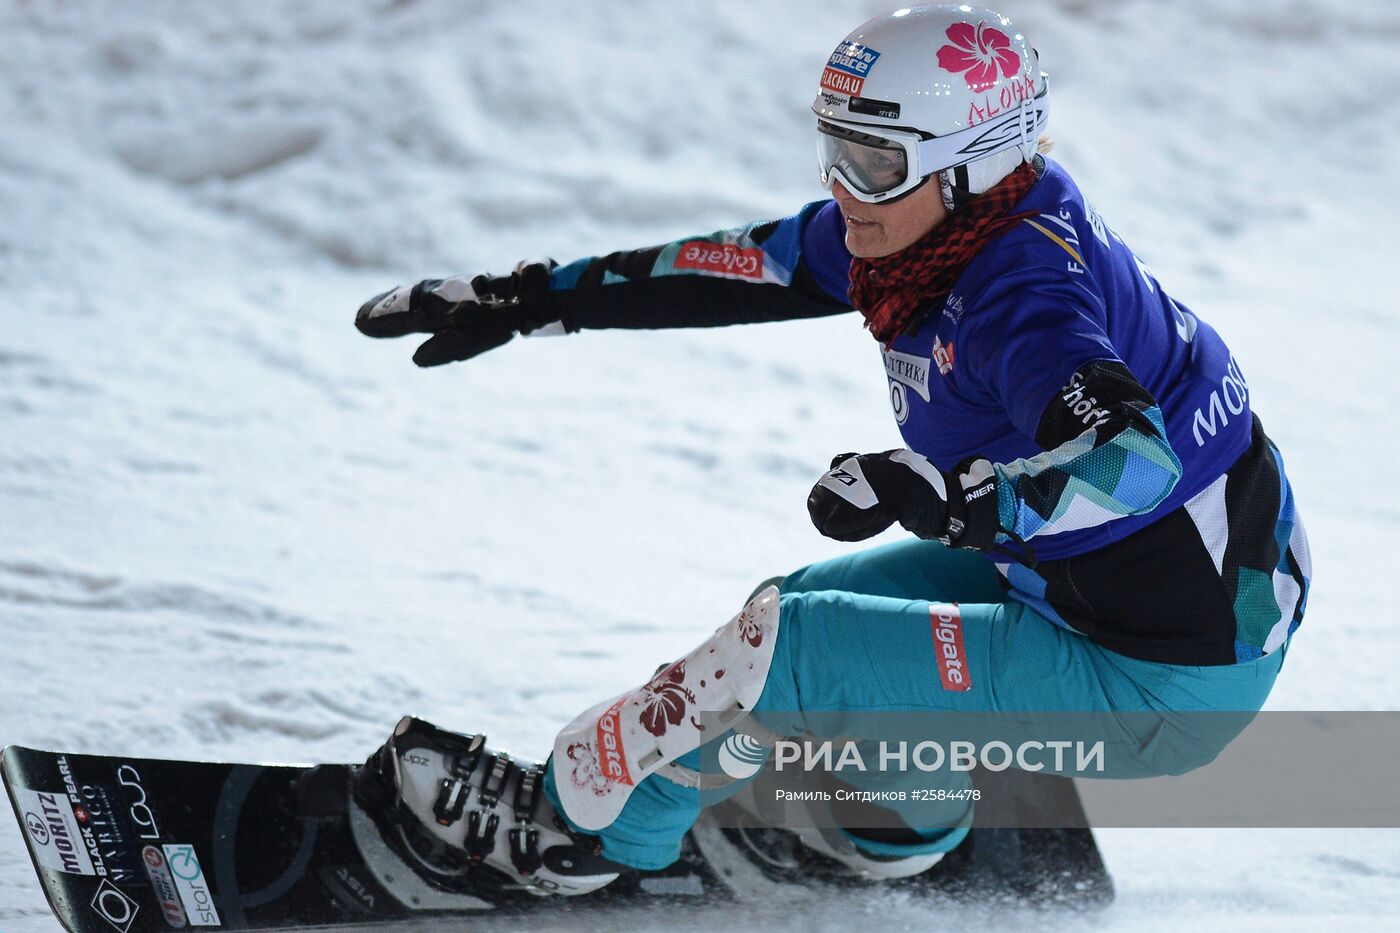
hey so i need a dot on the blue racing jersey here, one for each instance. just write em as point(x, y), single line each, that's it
point(1139, 500)
point(1058, 291)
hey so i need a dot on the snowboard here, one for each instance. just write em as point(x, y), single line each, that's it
point(141, 845)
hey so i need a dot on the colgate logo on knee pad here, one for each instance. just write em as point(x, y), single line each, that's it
point(611, 756)
point(948, 647)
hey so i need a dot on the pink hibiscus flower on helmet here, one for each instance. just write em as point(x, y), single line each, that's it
point(980, 51)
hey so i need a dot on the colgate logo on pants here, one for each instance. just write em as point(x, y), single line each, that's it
point(610, 752)
point(946, 619)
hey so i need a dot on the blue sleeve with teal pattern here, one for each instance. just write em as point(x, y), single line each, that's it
point(1122, 465)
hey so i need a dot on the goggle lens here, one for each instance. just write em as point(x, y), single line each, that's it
point(872, 164)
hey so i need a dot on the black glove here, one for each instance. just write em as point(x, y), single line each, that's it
point(864, 494)
point(465, 317)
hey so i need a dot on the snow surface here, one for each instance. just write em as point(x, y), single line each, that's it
point(231, 527)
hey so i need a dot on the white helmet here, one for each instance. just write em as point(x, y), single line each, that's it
point(940, 88)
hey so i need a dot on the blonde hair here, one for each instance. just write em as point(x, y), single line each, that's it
point(1044, 144)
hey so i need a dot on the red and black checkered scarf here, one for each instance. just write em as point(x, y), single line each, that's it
point(891, 290)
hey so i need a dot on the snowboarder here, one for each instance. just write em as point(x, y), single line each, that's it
point(1098, 520)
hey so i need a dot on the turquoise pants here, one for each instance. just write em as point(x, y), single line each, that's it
point(855, 636)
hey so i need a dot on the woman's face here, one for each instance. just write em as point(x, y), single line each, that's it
point(875, 230)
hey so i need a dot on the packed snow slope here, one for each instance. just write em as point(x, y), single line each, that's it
point(231, 527)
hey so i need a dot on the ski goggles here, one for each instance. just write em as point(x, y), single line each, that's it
point(872, 167)
point(876, 164)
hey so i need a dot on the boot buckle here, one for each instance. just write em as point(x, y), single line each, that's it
point(481, 839)
point(451, 801)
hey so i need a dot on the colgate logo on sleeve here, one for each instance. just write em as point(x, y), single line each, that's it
point(611, 755)
point(946, 619)
point(721, 258)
